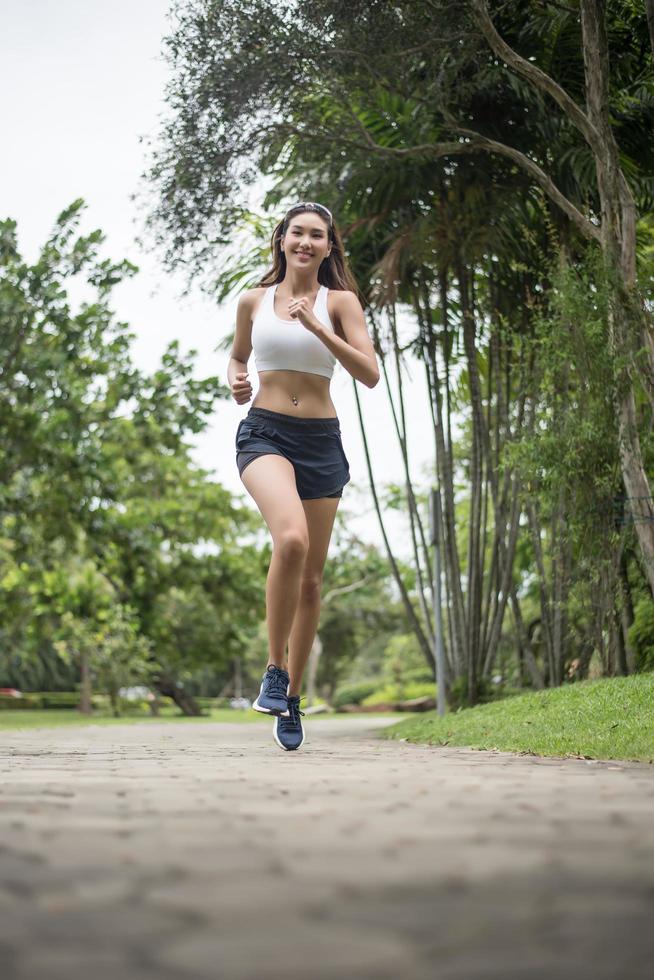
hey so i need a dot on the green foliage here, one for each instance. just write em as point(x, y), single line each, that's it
point(353, 693)
point(113, 543)
point(400, 692)
point(457, 238)
point(573, 449)
point(404, 661)
point(486, 691)
point(603, 719)
point(641, 635)
point(324, 106)
point(358, 613)
point(403, 675)
point(169, 714)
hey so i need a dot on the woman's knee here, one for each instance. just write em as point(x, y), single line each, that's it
point(291, 544)
point(311, 586)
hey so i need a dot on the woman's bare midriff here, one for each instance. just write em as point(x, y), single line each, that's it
point(278, 389)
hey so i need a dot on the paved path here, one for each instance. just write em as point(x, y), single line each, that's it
point(204, 851)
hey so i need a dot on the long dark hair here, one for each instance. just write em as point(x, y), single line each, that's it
point(333, 272)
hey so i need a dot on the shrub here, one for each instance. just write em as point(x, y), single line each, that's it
point(68, 700)
point(402, 692)
point(419, 675)
point(486, 692)
point(28, 701)
point(353, 693)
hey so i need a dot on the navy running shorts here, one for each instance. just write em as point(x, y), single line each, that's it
point(312, 445)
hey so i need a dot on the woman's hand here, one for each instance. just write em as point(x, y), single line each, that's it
point(241, 388)
point(300, 310)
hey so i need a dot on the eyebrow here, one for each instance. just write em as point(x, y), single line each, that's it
point(296, 224)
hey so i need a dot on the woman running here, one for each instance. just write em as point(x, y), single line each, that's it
point(302, 317)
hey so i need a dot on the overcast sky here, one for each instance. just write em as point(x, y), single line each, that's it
point(82, 80)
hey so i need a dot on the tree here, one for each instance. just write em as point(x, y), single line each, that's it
point(415, 131)
point(102, 510)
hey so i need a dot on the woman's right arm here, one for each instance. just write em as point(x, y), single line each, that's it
point(237, 369)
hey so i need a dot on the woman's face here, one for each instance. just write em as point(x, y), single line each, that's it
point(306, 242)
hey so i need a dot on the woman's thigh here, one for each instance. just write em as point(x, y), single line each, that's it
point(320, 514)
point(270, 481)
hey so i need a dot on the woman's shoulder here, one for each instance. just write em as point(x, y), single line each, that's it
point(343, 298)
point(249, 299)
point(252, 294)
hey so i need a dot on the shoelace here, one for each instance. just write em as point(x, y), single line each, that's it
point(277, 681)
point(294, 713)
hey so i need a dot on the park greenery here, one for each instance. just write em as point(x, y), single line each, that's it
point(600, 719)
point(122, 562)
point(491, 168)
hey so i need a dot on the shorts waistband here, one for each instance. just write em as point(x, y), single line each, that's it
point(310, 422)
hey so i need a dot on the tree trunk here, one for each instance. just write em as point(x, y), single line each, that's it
point(524, 642)
point(616, 234)
point(85, 705)
point(445, 470)
point(475, 558)
point(414, 622)
point(649, 6)
point(618, 237)
point(113, 701)
point(420, 553)
point(626, 612)
point(168, 687)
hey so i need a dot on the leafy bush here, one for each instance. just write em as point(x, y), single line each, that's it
point(354, 693)
point(28, 701)
point(404, 660)
point(419, 675)
point(65, 699)
point(402, 692)
point(206, 704)
point(130, 706)
point(486, 692)
point(58, 700)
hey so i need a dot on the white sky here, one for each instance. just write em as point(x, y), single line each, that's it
point(81, 81)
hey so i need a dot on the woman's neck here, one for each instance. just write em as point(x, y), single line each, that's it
point(296, 284)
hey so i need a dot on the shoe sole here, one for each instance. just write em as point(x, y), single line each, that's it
point(268, 711)
point(285, 747)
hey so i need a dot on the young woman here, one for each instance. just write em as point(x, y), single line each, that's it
point(302, 317)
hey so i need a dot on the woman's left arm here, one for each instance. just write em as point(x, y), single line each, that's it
point(356, 353)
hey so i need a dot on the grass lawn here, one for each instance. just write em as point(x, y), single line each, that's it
point(15, 720)
point(611, 718)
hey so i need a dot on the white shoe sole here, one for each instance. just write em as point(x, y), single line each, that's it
point(268, 711)
point(276, 737)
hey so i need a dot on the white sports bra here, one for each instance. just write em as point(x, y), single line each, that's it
point(286, 345)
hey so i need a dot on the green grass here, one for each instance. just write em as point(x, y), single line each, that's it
point(65, 717)
point(604, 719)
point(16, 720)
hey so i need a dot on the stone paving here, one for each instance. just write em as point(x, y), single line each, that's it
point(196, 851)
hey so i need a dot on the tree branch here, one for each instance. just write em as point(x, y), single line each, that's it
point(649, 6)
point(537, 77)
point(483, 143)
point(476, 143)
point(344, 589)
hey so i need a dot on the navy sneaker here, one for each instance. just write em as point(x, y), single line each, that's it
point(272, 696)
point(288, 732)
